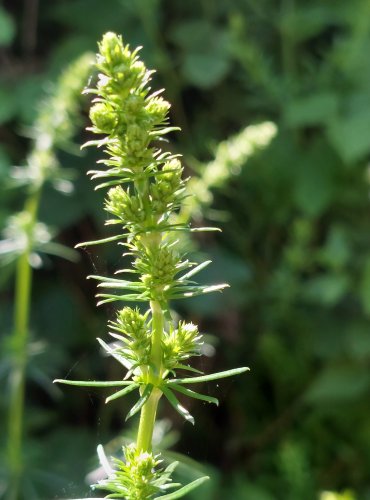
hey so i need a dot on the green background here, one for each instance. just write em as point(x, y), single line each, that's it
point(295, 245)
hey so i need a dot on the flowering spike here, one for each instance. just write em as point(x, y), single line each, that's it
point(145, 191)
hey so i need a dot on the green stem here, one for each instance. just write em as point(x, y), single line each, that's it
point(20, 340)
point(149, 410)
point(157, 334)
point(147, 421)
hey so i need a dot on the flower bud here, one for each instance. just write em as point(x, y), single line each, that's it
point(181, 344)
point(137, 138)
point(111, 48)
point(157, 109)
point(125, 207)
point(132, 323)
point(103, 117)
point(164, 189)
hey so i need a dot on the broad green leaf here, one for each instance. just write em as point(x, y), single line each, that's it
point(314, 183)
point(336, 252)
point(328, 289)
point(205, 70)
point(349, 133)
point(207, 378)
point(7, 28)
point(337, 384)
point(8, 104)
point(311, 110)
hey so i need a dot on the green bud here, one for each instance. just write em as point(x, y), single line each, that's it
point(132, 323)
point(111, 48)
point(136, 335)
point(103, 117)
point(157, 109)
point(164, 266)
point(137, 477)
point(136, 139)
point(133, 107)
point(164, 191)
point(181, 344)
point(125, 207)
point(158, 268)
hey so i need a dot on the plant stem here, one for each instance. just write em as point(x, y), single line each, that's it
point(149, 410)
point(157, 334)
point(147, 420)
point(20, 340)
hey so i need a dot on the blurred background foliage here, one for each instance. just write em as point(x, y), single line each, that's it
point(293, 204)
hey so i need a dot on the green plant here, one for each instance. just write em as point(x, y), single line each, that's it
point(26, 237)
point(148, 343)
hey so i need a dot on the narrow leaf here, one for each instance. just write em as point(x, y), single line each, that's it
point(123, 361)
point(195, 270)
point(193, 394)
point(164, 131)
point(207, 378)
point(141, 401)
point(180, 293)
point(92, 383)
point(189, 368)
point(132, 297)
point(122, 392)
point(184, 490)
point(176, 404)
point(205, 229)
point(166, 474)
point(98, 242)
point(104, 462)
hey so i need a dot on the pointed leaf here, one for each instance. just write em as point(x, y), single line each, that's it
point(184, 490)
point(205, 229)
point(99, 242)
point(207, 378)
point(123, 361)
point(53, 248)
point(122, 392)
point(195, 270)
point(194, 291)
point(166, 474)
point(176, 404)
point(104, 462)
point(92, 383)
point(141, 401)
point(164, 131)
point(180, 366)
point(193, 394)
point(133, 297)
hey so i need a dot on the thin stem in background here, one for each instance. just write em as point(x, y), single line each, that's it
point(20, 343)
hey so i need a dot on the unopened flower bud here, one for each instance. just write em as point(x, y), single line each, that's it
point(103, 117)
point(111, 48)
